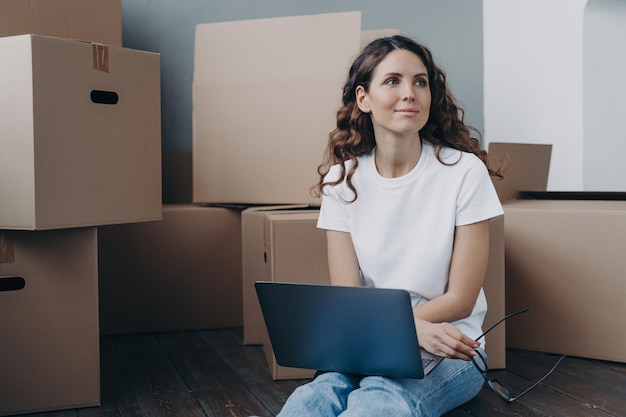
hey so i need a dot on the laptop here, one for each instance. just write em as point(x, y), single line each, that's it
point(355, 330)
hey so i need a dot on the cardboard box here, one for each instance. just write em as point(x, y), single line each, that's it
point(265, 148)
point(181, 273)
point(565, 260)
point(494, 288)
point(280, 244)
point(81, 134)
point(263, 228)
point(527, 167)
point(284, 245)
point(49, 335)
point(89, 20)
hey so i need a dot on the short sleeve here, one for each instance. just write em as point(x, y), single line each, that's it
point(477, 199)
point(334, 208)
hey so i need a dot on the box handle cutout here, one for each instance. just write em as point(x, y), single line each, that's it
point(12, 283)
point(104, 97)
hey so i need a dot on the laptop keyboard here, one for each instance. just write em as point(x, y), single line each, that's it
point(426, 362)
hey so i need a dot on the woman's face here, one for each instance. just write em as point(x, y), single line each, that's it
point(398, 99)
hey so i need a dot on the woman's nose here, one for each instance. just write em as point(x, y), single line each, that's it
point(407, 92)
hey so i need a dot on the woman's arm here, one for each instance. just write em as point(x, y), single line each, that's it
point(467, 271)
point(342, 262)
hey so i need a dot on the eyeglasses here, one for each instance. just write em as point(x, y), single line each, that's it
point(494, 385)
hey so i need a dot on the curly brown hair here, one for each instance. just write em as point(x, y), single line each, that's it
point(354, 134)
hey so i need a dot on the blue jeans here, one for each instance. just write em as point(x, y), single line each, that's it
point(332, 394)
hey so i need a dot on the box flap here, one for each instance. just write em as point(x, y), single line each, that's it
point(526, 167)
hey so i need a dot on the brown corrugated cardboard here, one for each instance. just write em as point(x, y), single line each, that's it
point(281, 244)
point(527, 167)
point(494, 287)
point(295, 251)
point(90, 20)
point(181, 273)
point(254, 254)
point(264, 148)
point(70, 157)
point(565, 260)
point(49, 339)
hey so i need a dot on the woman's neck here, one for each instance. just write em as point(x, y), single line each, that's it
point(397, 157)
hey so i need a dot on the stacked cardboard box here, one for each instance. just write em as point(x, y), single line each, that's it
point(92, 20)
point(564, 260)
point(265, 93)
point(80, 148)
point(181, 273)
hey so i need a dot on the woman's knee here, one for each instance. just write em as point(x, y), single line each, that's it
point(327, 393)
point(379, 396)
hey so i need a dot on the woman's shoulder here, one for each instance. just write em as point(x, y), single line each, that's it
point(337, 171)
point(453, 157)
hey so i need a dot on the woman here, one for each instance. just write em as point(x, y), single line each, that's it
point(406, 197)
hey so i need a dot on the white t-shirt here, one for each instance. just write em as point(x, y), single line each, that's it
point(403, 228)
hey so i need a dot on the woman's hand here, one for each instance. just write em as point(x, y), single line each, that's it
point(445, 340)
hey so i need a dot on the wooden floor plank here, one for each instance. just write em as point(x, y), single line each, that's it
point(210, 373)
point(117, 394)
point(249, 364)
point(211, 381)
point(544, 399)
point(159, 388)
point(486, 404)
point(599, 386)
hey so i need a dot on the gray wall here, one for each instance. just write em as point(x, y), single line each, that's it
point(452, 29)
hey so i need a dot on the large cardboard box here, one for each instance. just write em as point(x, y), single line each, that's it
point(181, 273)
point(259, 135)
point(49, 339)
point(283, 244)
point(90, 20)
point(81, 134)
point(565, 260)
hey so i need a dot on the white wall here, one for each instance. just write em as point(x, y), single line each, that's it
point(604, 96)
point(533, 80)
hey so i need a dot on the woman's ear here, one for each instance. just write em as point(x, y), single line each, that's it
point(361, 99)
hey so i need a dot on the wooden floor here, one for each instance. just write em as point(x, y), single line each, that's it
point(211, 374)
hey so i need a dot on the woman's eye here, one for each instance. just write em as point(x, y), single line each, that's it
point(391, 81)
point(421, 82)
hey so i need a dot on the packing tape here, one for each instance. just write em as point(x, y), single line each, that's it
point(6, 248)
point(100, 57)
